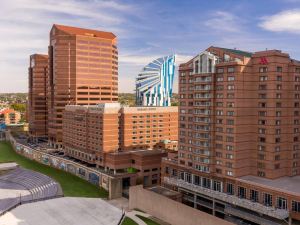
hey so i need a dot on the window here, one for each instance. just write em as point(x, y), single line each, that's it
point(229, 130)
point(230, 70)
point(262, 122)
point(220, 70)
point(262, 96)
point(262, 113)
point(261, 156)
point(206, 182)
point(230, 87)
point(262, 104)
point(261, 174)
point(229, 156)
point(230, 122)
point(242, 192)
point(261, 130)
point(263, 78)
point(263, 69)
point(279, 69)
point(261, 148)
point(230, 113)
point(295, 206)
point(230, 104)
point(230, 95)
point(254, 195)
point(229, 173)
point(267, 199)
point(219, 78)
point(217, 186)
point(197, 180)
point(279, 78)
point(230, 78)
point(262, 87)
point(230, 139)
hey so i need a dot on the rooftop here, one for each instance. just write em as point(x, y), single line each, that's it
point(85, 32)
point(283, 184)
point(164, 191)
point(238, 52)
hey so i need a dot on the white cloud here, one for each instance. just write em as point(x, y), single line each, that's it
point(25, 26)
point(141, 60)
point(285, 21)
point(223, 21)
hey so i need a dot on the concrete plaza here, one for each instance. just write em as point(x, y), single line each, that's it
point(64, 211)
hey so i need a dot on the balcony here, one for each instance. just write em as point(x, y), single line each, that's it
point(232, 199)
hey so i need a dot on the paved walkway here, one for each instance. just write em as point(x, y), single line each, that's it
point(132, 215)
point(64, 211)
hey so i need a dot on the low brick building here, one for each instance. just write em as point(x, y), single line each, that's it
point(116, 138)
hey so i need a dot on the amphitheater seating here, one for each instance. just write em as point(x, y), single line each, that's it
point(40, 186)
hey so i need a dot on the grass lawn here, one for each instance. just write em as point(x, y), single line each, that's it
point(147, 220)
point(72, 185)
point(128, 221)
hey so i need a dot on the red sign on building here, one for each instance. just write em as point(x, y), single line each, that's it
point(263, 60)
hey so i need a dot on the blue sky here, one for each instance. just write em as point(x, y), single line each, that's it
point(146, 30)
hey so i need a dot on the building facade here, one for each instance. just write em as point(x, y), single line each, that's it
point(9, 117)
point(239, 135)
point(37, 96)
point(91, 131)
point(120, 140)
point(83, 70)
point(154, 85)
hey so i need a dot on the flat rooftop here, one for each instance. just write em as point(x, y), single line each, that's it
point(282, 184)
point(163, 191)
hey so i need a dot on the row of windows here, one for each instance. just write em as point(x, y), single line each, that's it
point(148, 116)
point(251, 194)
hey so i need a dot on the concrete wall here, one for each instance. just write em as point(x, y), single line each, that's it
point(169, 210)
point(112, 184)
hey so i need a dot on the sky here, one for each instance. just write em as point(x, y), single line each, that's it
point(146, 30)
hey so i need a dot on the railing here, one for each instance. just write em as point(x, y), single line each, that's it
point(248, 216)
point(257, 207)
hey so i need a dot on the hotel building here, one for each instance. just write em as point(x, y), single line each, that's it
point(37, 96)
point(239, 140)
point(83, 70)
point(116, 138)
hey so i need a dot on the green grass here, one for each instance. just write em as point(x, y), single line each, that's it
point(128, 221)
point(72, 185)
point(147, 220)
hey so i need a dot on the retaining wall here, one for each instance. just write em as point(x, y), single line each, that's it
point(112, 184)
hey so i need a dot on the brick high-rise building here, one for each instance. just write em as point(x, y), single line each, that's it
point(83, 70)
point(239, 142)
point(37, 96)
